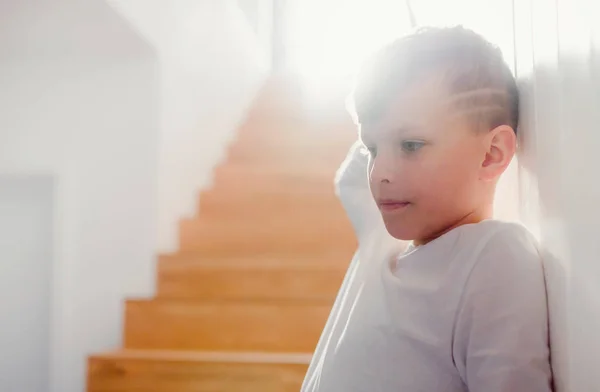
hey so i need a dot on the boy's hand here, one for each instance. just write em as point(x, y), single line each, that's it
point(352, 187)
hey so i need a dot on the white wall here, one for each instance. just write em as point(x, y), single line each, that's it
point(558, 64)
point(79, 103)
point(212, 65)
point(128, 117)
point(207, 87)
point(252, 10)
point(109, 201)
point(26, 208)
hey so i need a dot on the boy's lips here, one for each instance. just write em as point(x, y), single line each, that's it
point(389, 205)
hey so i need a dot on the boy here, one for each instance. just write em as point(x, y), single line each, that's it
point(463, 308)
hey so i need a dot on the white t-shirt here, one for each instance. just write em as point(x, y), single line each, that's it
point(465, 312)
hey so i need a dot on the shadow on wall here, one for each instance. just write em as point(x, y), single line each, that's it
point(559, 159)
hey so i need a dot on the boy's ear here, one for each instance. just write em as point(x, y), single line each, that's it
point(500, 144)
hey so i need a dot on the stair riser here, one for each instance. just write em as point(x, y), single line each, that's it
point(179, 376)
point(244, 283)
point(261, 204)
point(253, 244)
point(293, 156)
point(241, 178)
point(299, 220)
point(225, 326)
point(294, 233)
point(295, 132)
point(220, 250)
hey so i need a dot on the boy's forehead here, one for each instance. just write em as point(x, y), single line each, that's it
point(417, 107)
point(430, 106)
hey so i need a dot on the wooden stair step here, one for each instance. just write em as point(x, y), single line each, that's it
point(170, 371)
point(218, 251)
point(271, 326)
point(245, 178)
point(297, 140)
point(298, 223)
point(243, 278)
point(258, 204)
point(257, 126)
point(311, 129)
point(271, 232)
point(315, 199)
point(315, 259)
point(278, 102)
point(289, 158)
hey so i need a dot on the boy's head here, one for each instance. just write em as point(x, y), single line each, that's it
point(438, 113)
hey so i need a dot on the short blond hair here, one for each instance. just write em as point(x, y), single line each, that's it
point(471, 66)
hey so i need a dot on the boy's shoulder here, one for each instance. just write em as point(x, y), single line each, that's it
point(493, 233)
point(502, 245)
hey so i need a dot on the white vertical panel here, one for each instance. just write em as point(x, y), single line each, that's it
point(25, 280)
point(580, 145)
point(536, 49)
point(558, 66)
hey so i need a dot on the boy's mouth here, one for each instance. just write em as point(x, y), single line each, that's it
point(389, 205)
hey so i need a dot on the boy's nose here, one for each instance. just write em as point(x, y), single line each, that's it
point(382, 172)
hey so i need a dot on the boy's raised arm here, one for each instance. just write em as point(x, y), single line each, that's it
point(352, 187)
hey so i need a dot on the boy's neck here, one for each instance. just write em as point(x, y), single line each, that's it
point(474, 216)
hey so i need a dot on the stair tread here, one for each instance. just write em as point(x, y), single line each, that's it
point(221, 248)
point(276, 175)
point(253, 278)
point(271, 325)
point(209, 371)
point(207, 356)
point(232, 303)
point(175, 263)
point(192, 255)
point(289, 225)
point(294, 232)
point(326, 198)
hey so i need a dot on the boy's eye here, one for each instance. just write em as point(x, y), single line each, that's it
point(411, 145)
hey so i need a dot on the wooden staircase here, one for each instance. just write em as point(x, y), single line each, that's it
point(241, 305)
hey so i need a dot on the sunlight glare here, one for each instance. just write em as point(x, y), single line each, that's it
point(330, 38)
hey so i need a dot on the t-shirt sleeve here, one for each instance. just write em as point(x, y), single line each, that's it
point(501, 334)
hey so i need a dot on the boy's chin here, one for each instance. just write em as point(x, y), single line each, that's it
point(401, 231)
